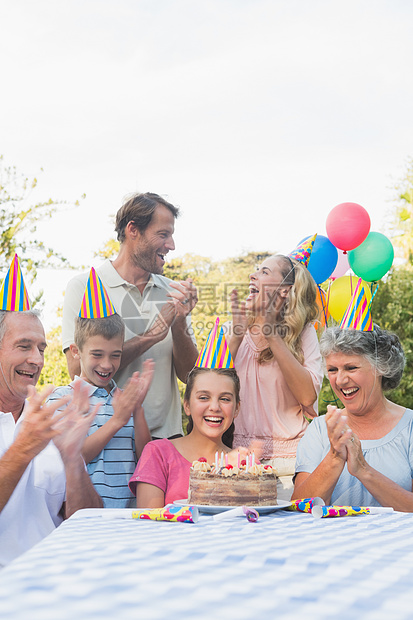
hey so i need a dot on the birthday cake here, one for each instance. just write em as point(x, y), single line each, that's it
point(232, 486)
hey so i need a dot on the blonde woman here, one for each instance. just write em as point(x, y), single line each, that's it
point(277, 357)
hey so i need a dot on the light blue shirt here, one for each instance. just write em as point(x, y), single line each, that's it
point(112, 468)
point(392, 456)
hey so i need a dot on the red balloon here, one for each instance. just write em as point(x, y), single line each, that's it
point(348, 224)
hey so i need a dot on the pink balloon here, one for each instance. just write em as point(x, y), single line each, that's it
point(348, 224)
point(342, 266)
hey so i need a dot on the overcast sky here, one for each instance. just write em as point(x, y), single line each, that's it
point(256, 117)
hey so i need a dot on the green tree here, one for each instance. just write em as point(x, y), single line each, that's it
point(109, 249)
point(392, 309)
point(20, 215)
point(402, 226)
point(55, 367)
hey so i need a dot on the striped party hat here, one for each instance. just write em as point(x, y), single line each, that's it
point(357, 315)
point(215, 352)
point(13, 294)
point(303, 251)
point(96, 303)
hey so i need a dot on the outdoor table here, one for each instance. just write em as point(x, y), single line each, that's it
point(283, 565)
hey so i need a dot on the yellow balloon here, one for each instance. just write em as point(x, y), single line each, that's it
point(340, 293)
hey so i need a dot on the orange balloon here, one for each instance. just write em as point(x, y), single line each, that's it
point(321, 300)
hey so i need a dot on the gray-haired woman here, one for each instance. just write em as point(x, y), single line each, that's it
point(361, 455)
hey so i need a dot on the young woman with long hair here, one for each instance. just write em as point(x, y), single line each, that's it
point(276, 354)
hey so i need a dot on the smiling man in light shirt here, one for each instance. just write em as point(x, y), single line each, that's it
point(42, 474)
point(155, 309)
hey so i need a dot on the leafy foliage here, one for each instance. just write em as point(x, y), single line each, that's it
point(327, 397)
point(19, 219)
point(20, 215)
point(402, 227)
point(393, 310)
point(55, 368)
point(109, 249)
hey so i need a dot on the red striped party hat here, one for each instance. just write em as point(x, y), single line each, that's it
point(13, 294)
point(215, 352)
point(96, 303)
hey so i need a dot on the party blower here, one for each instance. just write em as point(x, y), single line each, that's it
point(251, 514)
point(187, 514)
point(170, 512)
point(321, 512)
point(305, 505)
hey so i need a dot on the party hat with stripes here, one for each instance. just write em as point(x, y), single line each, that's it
point(13, 294)
point(96, 303)
point(358, 315)
point(215, 352)
point(302, 252)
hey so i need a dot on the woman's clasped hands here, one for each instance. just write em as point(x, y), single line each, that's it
point(344, 443)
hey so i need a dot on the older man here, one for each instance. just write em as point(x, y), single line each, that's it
point(156, 310)
point(42, 474)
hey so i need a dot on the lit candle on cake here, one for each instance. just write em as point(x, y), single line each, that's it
point(239, 460)
point(226, 459)
point(248, 464)
point(216, 460)
point(222, 460)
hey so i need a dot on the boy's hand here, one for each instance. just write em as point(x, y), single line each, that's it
point(143, 381)
point(126, 402)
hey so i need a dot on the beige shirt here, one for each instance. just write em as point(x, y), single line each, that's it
point(269, 411)
point(162, 404)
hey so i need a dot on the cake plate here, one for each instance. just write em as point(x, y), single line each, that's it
point(213, 510)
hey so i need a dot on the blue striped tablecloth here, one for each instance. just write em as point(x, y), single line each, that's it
point(285, 565)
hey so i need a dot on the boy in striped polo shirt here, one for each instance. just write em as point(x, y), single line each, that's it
point(119, 431)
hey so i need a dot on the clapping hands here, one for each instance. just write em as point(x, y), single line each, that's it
point(343, 441)
point(73, 422)
point(184, 296)
point(127, 401)
point(65, 421)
